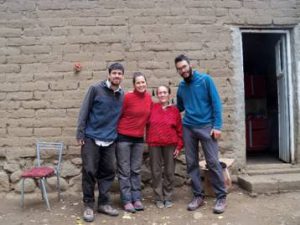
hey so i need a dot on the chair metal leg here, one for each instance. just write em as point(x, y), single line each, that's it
point(41, 188)
point(58, 188)
point(45, 193)
point(22, 193)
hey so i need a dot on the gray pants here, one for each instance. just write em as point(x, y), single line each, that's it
point(129, 161)
point(161, 158)
point(191, 137)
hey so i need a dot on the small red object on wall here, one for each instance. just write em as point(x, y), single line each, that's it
point(77, 67)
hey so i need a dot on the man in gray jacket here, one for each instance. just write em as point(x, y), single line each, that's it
point(96, 133)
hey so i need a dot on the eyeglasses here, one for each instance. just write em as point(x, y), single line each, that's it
point(163, 93)
point(184, 67)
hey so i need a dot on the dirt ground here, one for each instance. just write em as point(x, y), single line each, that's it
point(275, 209)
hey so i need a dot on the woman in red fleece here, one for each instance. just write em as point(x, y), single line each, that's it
point(164, 137)
point(130, 146)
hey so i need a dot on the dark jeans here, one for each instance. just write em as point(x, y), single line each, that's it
point(191, 137)
point(98, 165)
point(162, 168)
point(129, 161)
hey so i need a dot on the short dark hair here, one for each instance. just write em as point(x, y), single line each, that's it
point(168, 88)
point(180, 58)
point(116, 66)
point(137, 74)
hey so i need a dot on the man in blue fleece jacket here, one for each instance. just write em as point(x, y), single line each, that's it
point(198, 97)
point(96, 133)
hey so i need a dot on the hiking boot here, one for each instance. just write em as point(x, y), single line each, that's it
point(220, 206)
point(168, 203)
point(159, 204)
point(128, 207)
point(108, 210)
point(195, 203)
point(138, 205)
point(88, 214)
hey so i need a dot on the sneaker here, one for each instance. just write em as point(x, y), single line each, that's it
point(195, 203)
point(128, 207)
point(138, 205)
point(220, 206)
point(168, 203)
point(88, 214)
point(159, 204)
point(108, 210)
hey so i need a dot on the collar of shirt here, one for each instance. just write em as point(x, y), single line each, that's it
point(108, 84)
point(166, 106)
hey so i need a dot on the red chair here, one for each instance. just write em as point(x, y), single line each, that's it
point(44, 151)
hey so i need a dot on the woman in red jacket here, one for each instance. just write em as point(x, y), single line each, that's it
point(164, 137)
point(130, 145)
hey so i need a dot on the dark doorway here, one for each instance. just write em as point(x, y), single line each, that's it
point(261, 97)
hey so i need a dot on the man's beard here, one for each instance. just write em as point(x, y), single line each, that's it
point(115, 82)
point(189, 78)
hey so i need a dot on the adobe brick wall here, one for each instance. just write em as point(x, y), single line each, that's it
point(40, 40)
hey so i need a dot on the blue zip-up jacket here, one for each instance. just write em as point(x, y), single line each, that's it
point(99, 113)
point(200, 101)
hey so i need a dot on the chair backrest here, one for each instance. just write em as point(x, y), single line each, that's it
point(47, 147)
